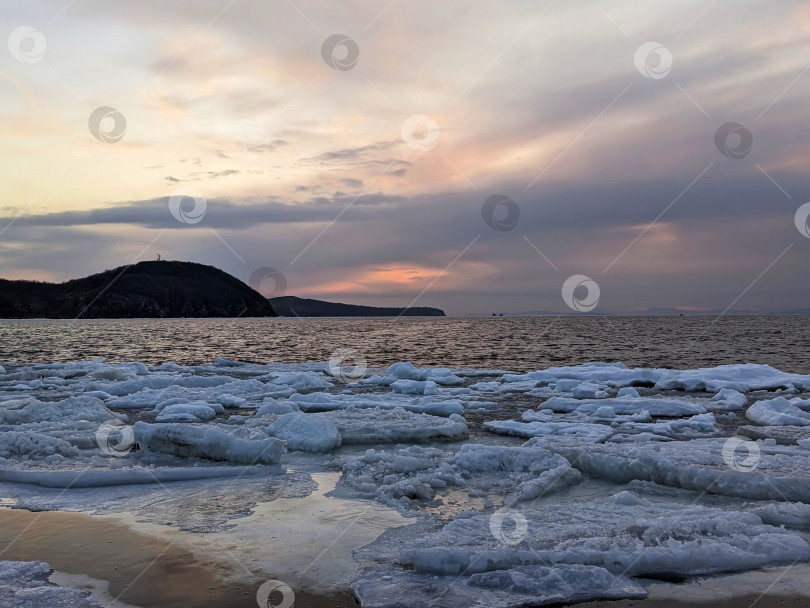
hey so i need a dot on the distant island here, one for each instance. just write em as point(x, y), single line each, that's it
point(649, 312)
point(291, 306)
point(147, 289)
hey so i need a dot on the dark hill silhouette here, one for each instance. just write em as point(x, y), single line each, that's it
point(291, 306)
point(146, 289)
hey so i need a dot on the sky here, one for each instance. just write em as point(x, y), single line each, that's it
point(476, 156)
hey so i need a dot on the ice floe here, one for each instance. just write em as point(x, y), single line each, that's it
point(592, 432)
point(741, 377)
point(324, 402)
point(306, 432)
point(210, 443)
point(512, 474)
point(730, 399)
point(26, 585)
point(554, 486)
point(595, 547)
point(394, 426)
point(780, 412)
point(627, 405)
point(514, 588)
point(731, 467)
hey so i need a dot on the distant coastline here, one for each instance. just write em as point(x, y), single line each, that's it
point(291, 306)
point(650, 312)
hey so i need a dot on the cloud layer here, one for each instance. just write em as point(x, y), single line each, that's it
point(322, 173)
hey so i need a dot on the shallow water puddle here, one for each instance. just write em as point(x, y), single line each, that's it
point(99, 588)
point(305, 542)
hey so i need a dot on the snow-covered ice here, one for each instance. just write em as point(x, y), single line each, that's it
point(325, 402)
point(627, 405)
point(593, 432)
point(780, 412)
point(599, 544)
point(512, 474)
point(718, 466)
point(26, 585)
point(730, 399)
point(208, 443)
point(559, 485)
point(744, 377)
point(306, 432)
point(394, 426)
point(514, 588)
point(186, 412)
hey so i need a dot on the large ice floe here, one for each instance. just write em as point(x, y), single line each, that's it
point(556, 486)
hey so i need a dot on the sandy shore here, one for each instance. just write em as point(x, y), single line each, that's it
point(142, 570)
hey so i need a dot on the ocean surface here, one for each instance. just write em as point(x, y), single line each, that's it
point(514, 343)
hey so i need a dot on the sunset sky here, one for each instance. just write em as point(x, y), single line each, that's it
point(364, 180)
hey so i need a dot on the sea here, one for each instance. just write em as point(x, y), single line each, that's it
point(149, 564)
point(506, 343)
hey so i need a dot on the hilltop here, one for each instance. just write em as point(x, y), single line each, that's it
point(154, 289)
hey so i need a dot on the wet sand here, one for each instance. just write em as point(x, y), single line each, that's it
point(142, 570)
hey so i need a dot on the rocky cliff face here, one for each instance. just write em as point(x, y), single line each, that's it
point(146, 289)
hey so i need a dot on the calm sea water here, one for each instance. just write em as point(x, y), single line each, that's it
point(517, 343)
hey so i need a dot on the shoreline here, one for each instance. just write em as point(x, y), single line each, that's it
point(753, 601)
point(147, 572)
point(140, 569)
